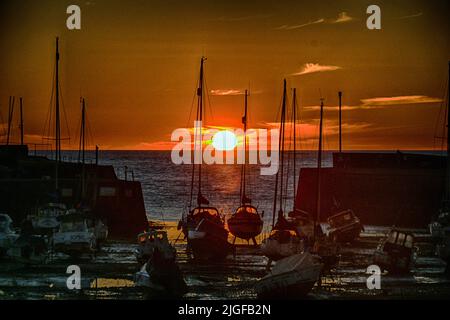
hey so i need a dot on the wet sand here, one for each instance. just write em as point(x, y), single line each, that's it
point(110, 274)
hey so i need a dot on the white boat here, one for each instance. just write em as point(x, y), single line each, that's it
point(282, 243)
point(7, 235)
point(76, 235)
point(396, 253)
point(46, 218)
point(160, 273)
point(292, 277)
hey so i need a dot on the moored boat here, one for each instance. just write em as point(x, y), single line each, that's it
point(292, 277)
point(151, 239)
point(283, 240)
point(246, 222)
point(46, 219)
point(396, 252)
point(77, 234)
point(344, 226)
point(203, 226)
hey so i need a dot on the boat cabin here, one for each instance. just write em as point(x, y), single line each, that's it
point(152, 236)
point(246, 209)
point(200, 213)
point(398, 240)
point(283, 235)
point(341, 219)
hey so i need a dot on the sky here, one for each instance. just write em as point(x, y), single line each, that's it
point(137, 62)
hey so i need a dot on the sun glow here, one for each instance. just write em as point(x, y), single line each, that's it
point(224, 140)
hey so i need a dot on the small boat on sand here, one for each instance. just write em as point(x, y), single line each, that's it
point(246, 223)
point(151, 239)
point(159, 273)
point(203, 226)
point(344, 226)
point(283, 240)
point(46, 219)
point(396, 253)
point(208, 238)
point(292, 277)
point(78, 234)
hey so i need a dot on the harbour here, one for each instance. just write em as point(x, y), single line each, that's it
point(111, 275)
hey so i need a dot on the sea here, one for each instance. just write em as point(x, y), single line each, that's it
point(166, 186)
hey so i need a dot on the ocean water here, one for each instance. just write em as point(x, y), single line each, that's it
point(166, 186)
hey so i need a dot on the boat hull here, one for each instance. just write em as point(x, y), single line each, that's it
point(207, 246)
point(288, 282)
point(245, 227)
point(275, 250)
point(346, 234)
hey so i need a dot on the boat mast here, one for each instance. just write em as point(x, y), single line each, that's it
point(83, 146)
point(81, 151)
point(244, 121)
point(200, 119)
point(294, 125)
point(447, 187)
point(340, 121)
point(21, 122)
point(10, 117)
point(281, 157)
point(57, 120)
point(319, 168)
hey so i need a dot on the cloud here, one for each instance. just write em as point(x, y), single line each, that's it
point(315, 67)
point(379, 103)
point(226, 92)
point(387, 101)
point(232, 92)
point(287, 27)
point(410, 16)
point(342, 17)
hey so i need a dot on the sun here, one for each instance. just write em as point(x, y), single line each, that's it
point(224, 140)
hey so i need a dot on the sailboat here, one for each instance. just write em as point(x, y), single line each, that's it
point(283, 240)
point(203, 226)
point(440, 226)
point(46, 218)
point(246, 223)
point(326, 249)
point(79, 231)
point(302, 220)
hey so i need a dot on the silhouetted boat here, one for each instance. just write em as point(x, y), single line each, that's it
point(40, 187)
point(344, 226)
point(203, 226)
point(326, 249)
point(396, 252)
point(283, 240)
point(440, 226)
point(160, 274)
point(151, 239)
point(292, 277)
point(245, 223)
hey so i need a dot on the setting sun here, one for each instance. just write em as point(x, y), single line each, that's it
point(224, 140)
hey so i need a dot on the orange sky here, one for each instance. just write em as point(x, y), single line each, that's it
point(136, 63)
